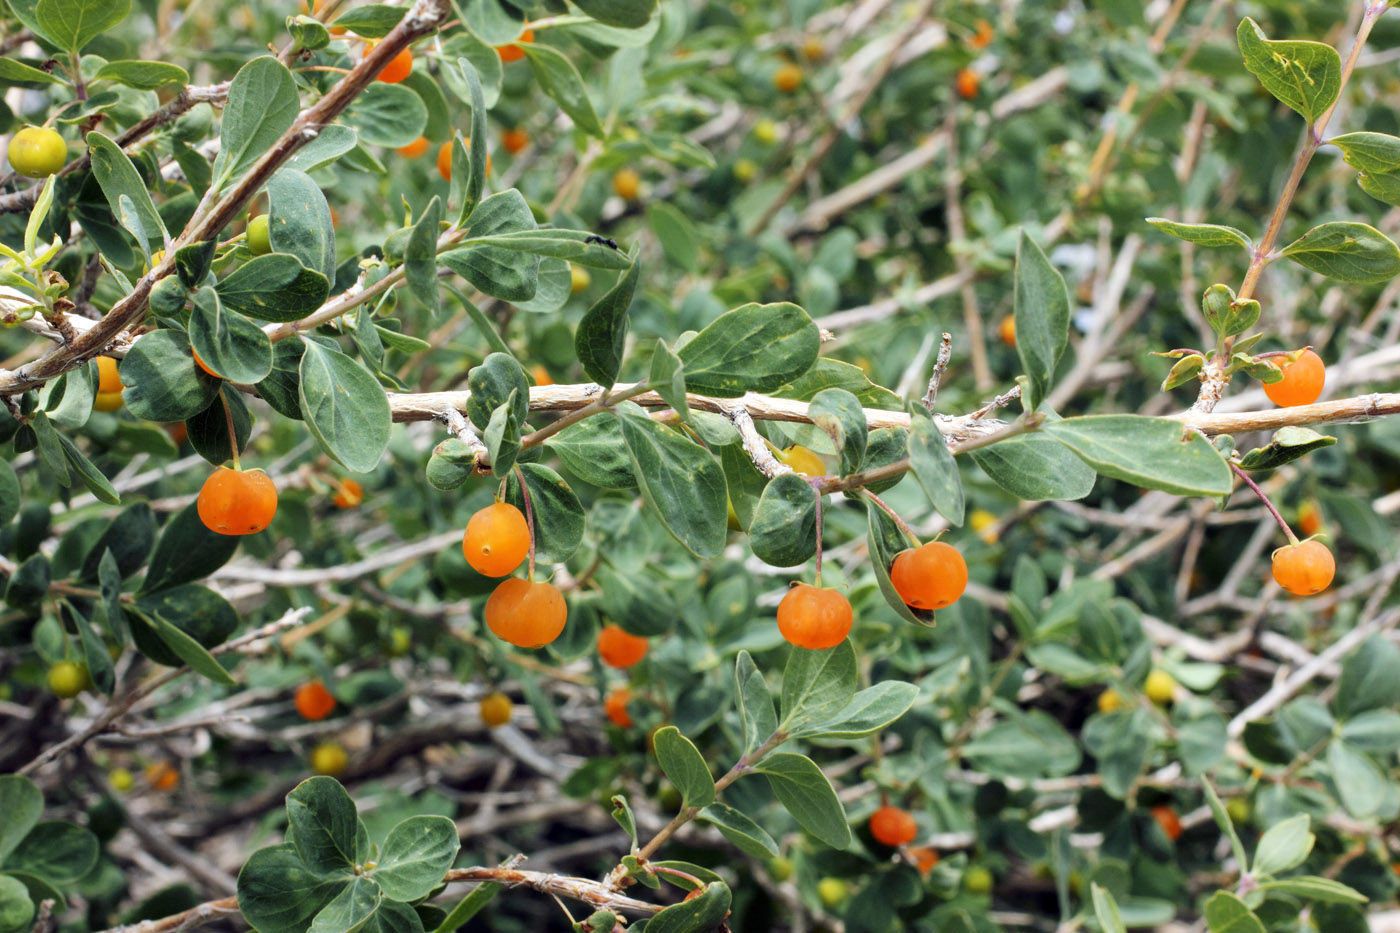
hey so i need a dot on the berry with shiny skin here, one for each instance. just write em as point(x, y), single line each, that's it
point(495, 709)
point(109, 385)
point(931, 576)
point(497, 540)
point(803, 460)
point(37, 151)
point(814, 618)
point(528, 615)
point(259, 237)
point(620, 648)
point(615, 708)
point(313, 701)
point(1160, 687)
point(398, 67)
point(328, 758)
point(1302, 381)
point(893, 827)
point(1305, 568)
point(67, 679)
point(235, 502)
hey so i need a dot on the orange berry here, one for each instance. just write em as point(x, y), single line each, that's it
point(925, 858)
point(497, 539)
point(162, 776)
point(929, 577)
point(444, 159)
point(1304, 568)
point(815, 618)
point(628, 184)
point(968, 83)
point(234, 502)
point(540, 375)
point(620, 648)
point(1310, 518)
point(1006, 330)
point(316, 9)
point(414, 149)
point(892, 826)
point(200, 363)
point(313, 701)
point(515, 140)
point(1301, 383)
point(615, 707)
point(495, 709)
point(514, 53)
point(351, 494)
point(983, 37)
point(108, 378)
point(528, 615)
point(398, 68)
point(813, 48)
point(1167, 819)
point(788, 78)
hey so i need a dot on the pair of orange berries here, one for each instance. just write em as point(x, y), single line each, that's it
point(525, 613)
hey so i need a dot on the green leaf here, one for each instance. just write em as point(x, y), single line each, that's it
point(593, 450)
point(72, 24)
point(677, 235)
point(86, 471)
point(783, 528)
point(601, 337)
point(753, 348)
point(806, 793)
point(208, 430)
point(817, 683)
point(275, 287)
point(622, 813)
point(1227, 825)
point(502, 437)
point(1350, 252)
point(190, 651)
point(1226, 315)
point(351, 909)
point(118, 177)
point(277, 893)
point(570, 245)
point(331, 143)
point(10, 495)
point(1376, 731)
point(934, 468)
point(685, 766)
point(1307, 76)
point(1042, 317)
point(1106, 910)
point(187, 551)
point(1283, 846)
point(755, 703)
point(56, 851)
point(420, 256)
point(397, 917)
point(695, 915)
point(16, 72)
point(415, 855)
point(1370, 679)
point(99, 662)
point(499, 378)
point(228, 343)
point(1121, 742)
point(322, 824)
point(1027, 746)
point(869, 711)
point(1372, 153)
point(344, 406)
point(162, 381)
point(740, 829)
point(1226, 913)
point(51, 448)
point(1203, 234)
point(1154, 453)
point(624, 14)
point(389, 115)
point(469, 907)
point(16, 907)
point(500, 273)
point(373, 21)
point(561, 81)
point(1289, 443)
point(840, 415)
point(884, 541)
point(145, 76)
point(678, 479)
point(299, 221)
point(23, 804)
point(827, 374)
point(1381, 187)
point(262, 104)
point(559, 518)
point(1313, 888)
point(197, 611)
point(667, 379)
point(1361, 786)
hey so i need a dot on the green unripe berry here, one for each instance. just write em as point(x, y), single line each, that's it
point(780, 868)
point(67, 679)
point(832, 892)
point(977, 880)
point(259, 239)
point(37, 151)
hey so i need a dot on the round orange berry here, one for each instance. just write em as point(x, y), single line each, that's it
point(108, 378)
point(627, 184)
point(234, 502)
point(313, 701)
point(514, 141)
point(892, 826)
point(788, 78)
point(813, 48)
point(497, 540)
point(1310, 518)
point(528, 615)
point(929, 577)
point(162, 776)
point(514, 53)
point(350, 494)
point(1301, 383)
point(1006, 330)
point(984, 35)
point(925, 858)
point(414, 149)
point(398, 68)
point(615, 707)
point(620, 648)
point(1167, 819)
point(444, 159)
point(495, 709)
point(1304, 568)
point(815, 618)
point(968, 83)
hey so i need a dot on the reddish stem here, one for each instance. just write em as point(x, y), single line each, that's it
point(1292, 538)
point(817, 492)
point(529, 518)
